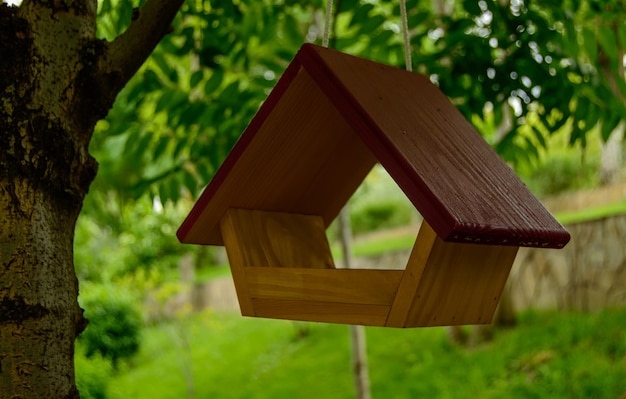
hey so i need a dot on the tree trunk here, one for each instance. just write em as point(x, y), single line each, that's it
point(39, 313)
point(611, 157)
point(55, 84)
point(45, 171)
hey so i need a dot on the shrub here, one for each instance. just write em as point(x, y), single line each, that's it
point(379, 214)
point(379, 204)
point(114, 323)
point(93, 374)
point(561, 173)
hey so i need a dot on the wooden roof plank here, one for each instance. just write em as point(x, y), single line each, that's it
point(448, 171)
point(328, 120)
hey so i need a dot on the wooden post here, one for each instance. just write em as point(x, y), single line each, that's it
point(357, 332)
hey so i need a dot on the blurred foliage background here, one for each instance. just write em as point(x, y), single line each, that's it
point(542, 81)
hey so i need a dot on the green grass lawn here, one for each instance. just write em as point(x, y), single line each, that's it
point(593, 213)
point(548, 355)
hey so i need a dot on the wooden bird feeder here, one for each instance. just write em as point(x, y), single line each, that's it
point(327, 122)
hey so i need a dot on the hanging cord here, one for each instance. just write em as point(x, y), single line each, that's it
point(405, 31)
point(405, 36)
point(328, 22)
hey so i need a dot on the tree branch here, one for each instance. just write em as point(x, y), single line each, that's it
point(130, 50)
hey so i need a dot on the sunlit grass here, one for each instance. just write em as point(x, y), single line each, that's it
point(592, 213)
point(549, 355)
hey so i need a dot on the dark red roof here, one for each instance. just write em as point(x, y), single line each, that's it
point(331, 117)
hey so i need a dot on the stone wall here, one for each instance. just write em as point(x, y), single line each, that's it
point(588, 274)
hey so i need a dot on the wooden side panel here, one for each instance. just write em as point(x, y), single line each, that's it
point(277, 239)
point(237, 259)
point(298, 155)
point(370, 287)
point(407, 290)
point(326, 312)
point(458, 284)
point(455, 179)
point(259, 238)
point(263, 246)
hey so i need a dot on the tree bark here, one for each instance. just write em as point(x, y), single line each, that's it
point(54, 77)
point(611, 151)
point(39, 313)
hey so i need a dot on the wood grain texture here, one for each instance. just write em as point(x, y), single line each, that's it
point(237, 256)
point(452, 176)
point(451, 283)
point(368, 287)
point(326, 312)
point(300, 158)
point(407, 289)
point(282, 268)
point(276, 239)
point(280, 260)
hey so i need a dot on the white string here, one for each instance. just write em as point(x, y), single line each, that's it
point(329, 18)
point(405, 36)
point(405, 31)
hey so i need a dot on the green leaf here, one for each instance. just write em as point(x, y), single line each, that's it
point(576, 135)
point(138, 145)
point(372, 24)
point(188, 33)
point(506, 141)
point(205, 169)
point(160, 147)
point(582, 108)
point(230, 95)
point(181, 144)
point(418, 18)
point(164, 194)
point(195, 78)
point(472, 7)
point(592, 117)
point(251, 19)
point(559, 123)
point(621, 86)
point(539, 137)
point(170, 102)
point(192, 113)
point(214, 81)
point(125, 11)
point(161, 62)
point(381, 40)
point(498, 114)
point(569, 39)
point(360, 15)
point(167, 45)
point(608, 42)
point(590, 44)
point(292, 31)
point(173, 189)
point(346, 42)
point(151, 81)
point(190, 183)
point(621, 33)
point(531, 149)
point(347, 5)
point(607, 126)
point(173, 75)
point(105, 7)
